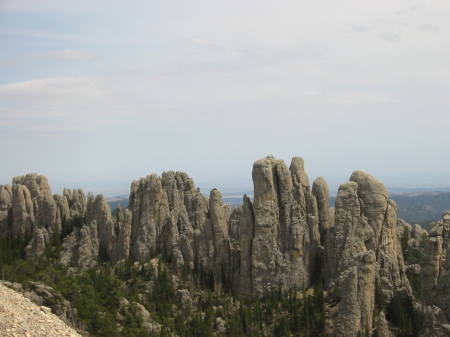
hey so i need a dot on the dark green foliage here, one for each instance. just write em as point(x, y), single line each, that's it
point(404, 316)
point(53, 248)
point(416, 286)
point(12, 248)
point(19, 271)
point(67, 226)
point(97, 294)
point(412, 255)
point(162, 297)
point(405, 239)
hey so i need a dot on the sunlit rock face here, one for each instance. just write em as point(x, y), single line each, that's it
point(286, 232)
point(363, 241)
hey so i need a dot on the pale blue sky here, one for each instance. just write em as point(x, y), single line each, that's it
point(99, 91)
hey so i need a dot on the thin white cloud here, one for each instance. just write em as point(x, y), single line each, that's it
point(344, 98)
point(70, 55)
point(429, 28)
point(73, 88)
point(360, 29)
point(391, 36)
point(200, 41)
point(61, 104)
point(45, 35)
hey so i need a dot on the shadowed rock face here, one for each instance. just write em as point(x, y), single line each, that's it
point(320, 192)
point(435, 275)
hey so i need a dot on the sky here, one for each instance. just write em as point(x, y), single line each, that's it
point(96, 94)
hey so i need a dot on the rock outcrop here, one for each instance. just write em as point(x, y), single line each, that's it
point(435, 276)
point(357, 289)
point(286, 237)
point(365, 223)
point(43, 295)
point(5, 208)
point(286, 232)
point(320, 192)
point(29, 210)
point(80, 249)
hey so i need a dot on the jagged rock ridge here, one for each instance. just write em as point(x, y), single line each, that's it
point(286, 237)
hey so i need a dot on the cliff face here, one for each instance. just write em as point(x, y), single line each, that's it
point(286, 237)
point(363, 254)
point(286, 232)
point(435, 276)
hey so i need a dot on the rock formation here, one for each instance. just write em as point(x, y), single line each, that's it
point(320, 192)
point(43, 295)
point(286, 233)
point(286, 237)
point(357, 289)
point(435, 275)
point(365, 223)
point(5, 208)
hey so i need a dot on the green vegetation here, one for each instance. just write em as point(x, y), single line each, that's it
point(405, 317)
point(98, 295)
point(412, 255)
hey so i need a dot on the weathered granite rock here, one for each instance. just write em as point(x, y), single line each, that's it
point(76, 200)
point(43, 295)
point(148, 204)
point(36, 247)
point(374, 202)
point(219, 215)
point(32, 189)
point(382, 328)
point(435, 266)
point(357, 288)
point(320, 191)
point(138, 310)
point(418, 234)
point(434, 323)
point(121, 247)
point(5, 208)
point(99, 211)
point(5, 197)
point(184, 297)
point(381, 214)
point(365, 222)
point(71, 203)
point(286, 233)
point(235, 222)
point(80, 249)
point(62, 209)
point(346, 241)
point(154, 202)
point(22, 210)
point(246, 234)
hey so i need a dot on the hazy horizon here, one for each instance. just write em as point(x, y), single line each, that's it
point(238, 186)
point(105, 91)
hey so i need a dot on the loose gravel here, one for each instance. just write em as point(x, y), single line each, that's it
point(20, 317)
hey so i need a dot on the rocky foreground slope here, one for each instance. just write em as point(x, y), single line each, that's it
point(287, 237)
point(21, 317)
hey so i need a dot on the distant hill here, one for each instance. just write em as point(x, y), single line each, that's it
point(418, 207)
point(121, 200)
point(421, 206)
